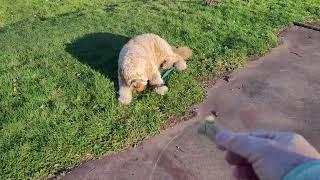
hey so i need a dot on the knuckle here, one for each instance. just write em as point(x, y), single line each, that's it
point(297, 136)
point(288, 135)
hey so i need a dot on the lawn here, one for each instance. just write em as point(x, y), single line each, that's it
point(58, 61)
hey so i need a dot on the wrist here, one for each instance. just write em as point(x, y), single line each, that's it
point(307, 170)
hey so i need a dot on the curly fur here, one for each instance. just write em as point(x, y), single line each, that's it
point(140, 60)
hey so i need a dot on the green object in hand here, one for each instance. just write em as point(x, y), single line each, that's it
point(167, 73)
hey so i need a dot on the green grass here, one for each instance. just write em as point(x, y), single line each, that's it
point(58, 102)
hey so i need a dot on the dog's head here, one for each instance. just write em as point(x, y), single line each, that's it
point(138, 85)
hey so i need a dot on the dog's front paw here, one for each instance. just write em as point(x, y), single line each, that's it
point(180, 65)
point(162, 90)
point(125, 100)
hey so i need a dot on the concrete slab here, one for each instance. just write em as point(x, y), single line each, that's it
point(280, 91)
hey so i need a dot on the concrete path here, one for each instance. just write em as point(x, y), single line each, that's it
point(280, 91)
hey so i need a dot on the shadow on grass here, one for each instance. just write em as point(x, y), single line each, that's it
point(100, 51)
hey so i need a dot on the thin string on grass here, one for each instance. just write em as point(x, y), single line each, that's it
point(160, 155)
point(210, 121)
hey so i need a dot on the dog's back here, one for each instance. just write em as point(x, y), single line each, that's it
point(141, 54)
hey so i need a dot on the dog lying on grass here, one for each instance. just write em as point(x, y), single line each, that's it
point(139, 63)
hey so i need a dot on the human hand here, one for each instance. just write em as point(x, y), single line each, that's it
point(265, 155)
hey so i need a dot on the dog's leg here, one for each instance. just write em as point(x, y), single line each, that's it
point(167, 64)
point(180, 65)
point(125, 95)
point(171, 60)
point(158, 82)
point(162, 90)
point(156, 79)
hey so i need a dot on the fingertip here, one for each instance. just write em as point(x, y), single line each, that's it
point(245, 172)
point(235, 159)
point(221, 148)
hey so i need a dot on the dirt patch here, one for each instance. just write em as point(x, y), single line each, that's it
point(211, 2)
point(314, 23)
point(312, 26)
point(171, 122)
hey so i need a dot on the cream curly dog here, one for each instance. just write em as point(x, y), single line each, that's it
point(139, 63)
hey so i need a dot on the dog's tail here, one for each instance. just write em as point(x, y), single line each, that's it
point(184, 52)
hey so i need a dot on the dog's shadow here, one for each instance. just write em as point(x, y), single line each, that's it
point(100, 51)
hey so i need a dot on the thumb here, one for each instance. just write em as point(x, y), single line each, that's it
point(240, 143)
